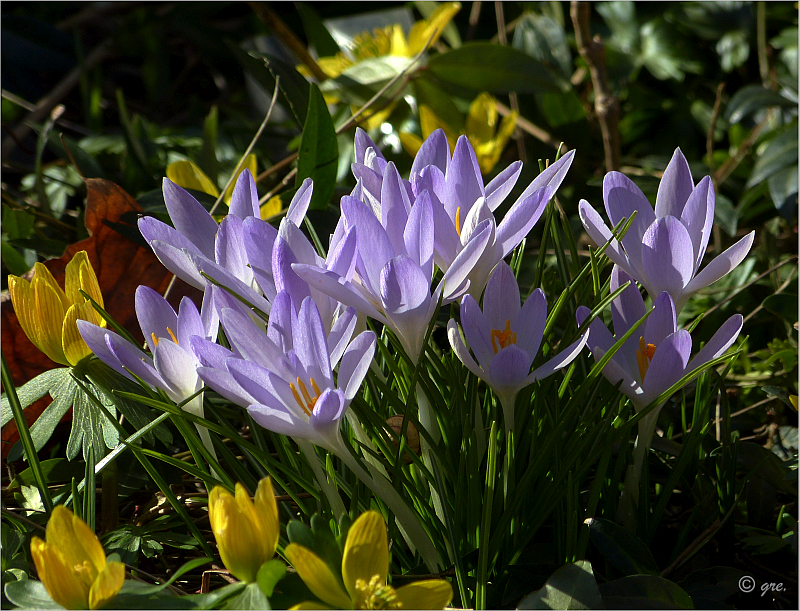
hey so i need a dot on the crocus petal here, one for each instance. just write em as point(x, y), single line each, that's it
point(208, 353)
point(362, 142)
point(552, 176)
point(463, 180)
point(133, 360)
point(531, 322)
point(316, 574)
point(244, 200)
point(622, 198)
point(178, 368)
point(209, 314)
point(461, 351)
point(341, 332)
point(662, 322)
point(338, 288)
point(446, 241)
point(181, 262)
point(431, 179)
point(328, 409)
point(366, 552)
point(626, 311)
point(277, 418)
point(372, 239)
point(258, 237)
point(668, 364)
point(501, 300)
point(310, 342)
point(355, 363)
point(418, 234)
point(509, 368)
point(156, 316)
point(719, 343)
point(190, 218)
point(698, 217)
point(189, 322)
point(342, 255)
point(395, 206)
point(721, 265)
point(476, 330)
point(229, 248)
point(667, 256)
point(227, 279)
point(285, 277)
point(520, 219)
point(404, 286)
point(601, 341)
point(600, 235)
point(225, 385)
point(434, 151)
point(466, 260)
point(500, 186)
point(250, 342)
point(300, 202)
point(562, 359)
point(675, 187)
point(95, 338)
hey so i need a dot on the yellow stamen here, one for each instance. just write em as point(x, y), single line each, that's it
point(155, 339)
point(306, 402)
point(172, 335)
point(458, 220)
point(504, 338)
point(644, 354)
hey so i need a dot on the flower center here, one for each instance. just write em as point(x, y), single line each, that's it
point(503, 339)
point(156, 339)
point(375, 595)
point(458, 220)
point(644, 354)
point(306, 401)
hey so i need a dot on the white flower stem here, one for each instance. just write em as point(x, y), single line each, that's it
point(629, 499)
point(328, 488)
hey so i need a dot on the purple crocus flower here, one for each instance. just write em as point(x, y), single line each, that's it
point(284, 376)
point(173, 366)
point(461, 202)
point(663, 249)
point(197, 245)
point(653, 360)
point(506, 339)
point(394, 264)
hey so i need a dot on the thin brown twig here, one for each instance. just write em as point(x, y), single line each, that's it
point(534, 130)
point(710, 135)
point(727, 168)
point(606, 105)
point(287, 37)
point(474, 16)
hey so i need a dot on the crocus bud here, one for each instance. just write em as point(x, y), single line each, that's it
point(72, 564)
point(246, 532)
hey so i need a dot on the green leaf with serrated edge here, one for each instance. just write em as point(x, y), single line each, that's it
point(484, 66)
point(316, 32)
point(571, 587)
point(30, 594)
point(32, 391)
point(644, 592)
point(319, 151)
point(621, 547)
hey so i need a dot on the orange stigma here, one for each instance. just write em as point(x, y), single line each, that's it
point(644, 354)
point(458, 220)
point(503, 339)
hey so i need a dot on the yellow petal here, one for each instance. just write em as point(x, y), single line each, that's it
point(77, 540)
point(399, 46)
point(374, 119)
point(24, 303)
point(75, 349)
point(366, 551)
point(248, 163)
point(488, 153)
point(240, 539)
point(428, 594)
point(89, 284)
point(411, 143)
point(57, 574)
point(793, 400)
point(186, 174)
point(422, 30)
point(309, 605)
point(48, 319)
point(429, 123)
point(107, 585)
point(482, 118)
point(267, 511)
point(272, 207)
point(317, 576)
point(40, 271)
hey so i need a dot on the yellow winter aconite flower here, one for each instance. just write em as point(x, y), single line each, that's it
point(246, 532)
point(365, 567)
point(48, 314)
point(390, 40)
point(188, 175)
point(480, 127)
point(72, 564)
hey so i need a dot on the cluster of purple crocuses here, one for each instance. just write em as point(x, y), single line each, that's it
point(290, 315)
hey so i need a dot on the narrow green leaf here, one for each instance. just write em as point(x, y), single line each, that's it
point(319, 151)
point(316, 32)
